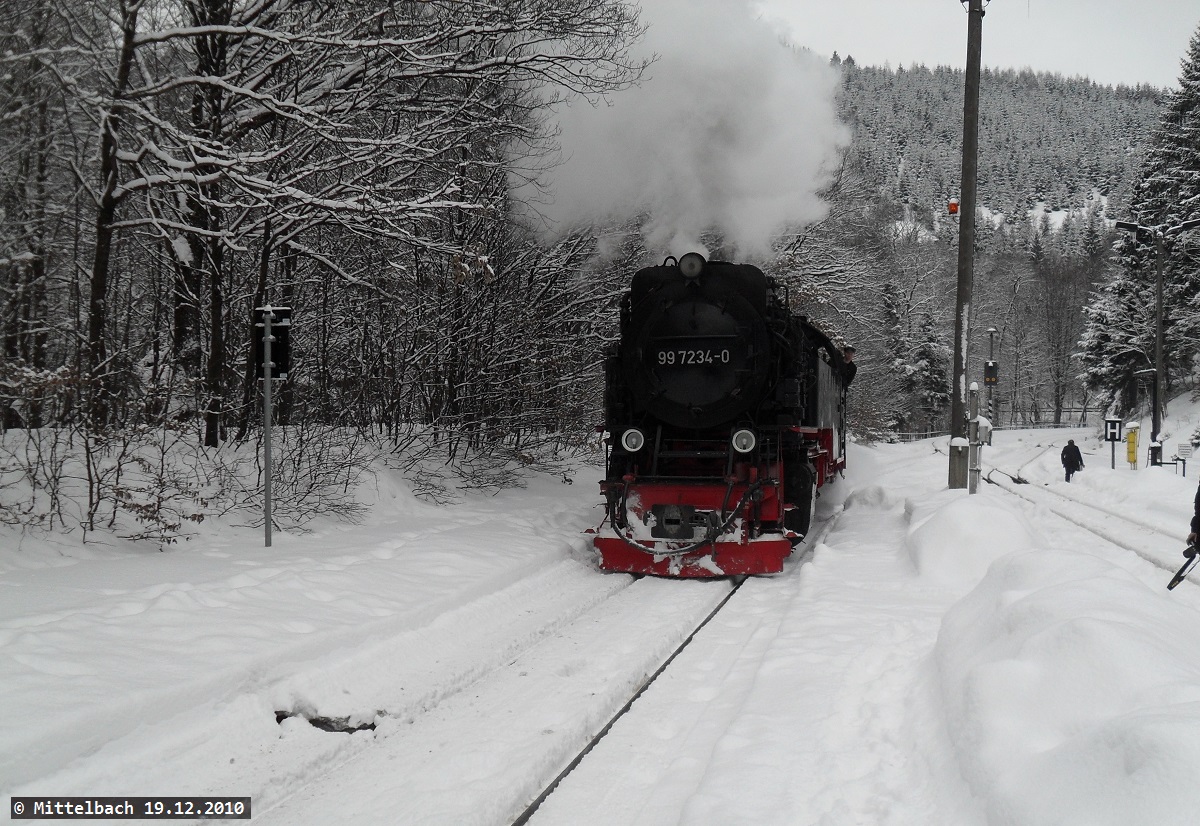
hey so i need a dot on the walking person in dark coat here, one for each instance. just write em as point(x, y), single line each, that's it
point(1072, 459)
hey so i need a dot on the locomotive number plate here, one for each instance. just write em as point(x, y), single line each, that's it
point(693, 357)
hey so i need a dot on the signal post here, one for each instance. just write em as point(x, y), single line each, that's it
point(272, 354)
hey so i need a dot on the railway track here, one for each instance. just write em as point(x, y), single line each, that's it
point(535, 665)
point(803, 690)
point(1149, 541)
point(566, 686)
point(579, 758)
point(1164, 550)
point(532, 808)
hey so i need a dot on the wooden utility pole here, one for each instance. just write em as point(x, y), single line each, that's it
point(966, 246)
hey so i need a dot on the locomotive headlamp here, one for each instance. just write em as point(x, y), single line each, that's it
point(743, 441)
point(633, 440)
point(691, 265)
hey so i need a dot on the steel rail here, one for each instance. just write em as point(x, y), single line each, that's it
point(532, 808)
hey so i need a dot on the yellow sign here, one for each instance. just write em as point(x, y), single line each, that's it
point(1131, 448)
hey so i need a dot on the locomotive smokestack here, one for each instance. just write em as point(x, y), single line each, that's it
point(691, 265)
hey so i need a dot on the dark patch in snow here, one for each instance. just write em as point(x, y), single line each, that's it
point(331, 724)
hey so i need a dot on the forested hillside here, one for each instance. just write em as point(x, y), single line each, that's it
point(1043, 139)
point(1058, 161)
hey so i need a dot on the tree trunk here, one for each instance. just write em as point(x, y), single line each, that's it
point(208, 104)
point(96, 354)
point(215, 377)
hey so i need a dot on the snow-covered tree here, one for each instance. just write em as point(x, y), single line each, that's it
point(167, 165)
point(930, 376)
point(1119, 337)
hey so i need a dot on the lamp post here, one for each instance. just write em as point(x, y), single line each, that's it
point(1160, 234)
point(1152, 374)
point(992, 333)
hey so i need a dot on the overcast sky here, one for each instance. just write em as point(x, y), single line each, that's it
point(1109, 41)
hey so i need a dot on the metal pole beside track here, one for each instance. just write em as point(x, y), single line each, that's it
point(268, 365)
point(975, 466)
point(1160, 370)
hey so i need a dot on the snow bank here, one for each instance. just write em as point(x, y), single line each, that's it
point(1072, 693)
point(873, 497)
point(954, 538)
point(106, 649)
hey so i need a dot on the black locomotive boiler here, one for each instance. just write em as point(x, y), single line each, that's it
point(725, 413)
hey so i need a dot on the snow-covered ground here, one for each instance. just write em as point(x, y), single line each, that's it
point(937, 658)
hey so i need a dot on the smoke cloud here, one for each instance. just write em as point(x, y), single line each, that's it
point(730, 130)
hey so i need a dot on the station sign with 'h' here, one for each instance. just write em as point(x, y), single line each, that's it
point(1112, 430)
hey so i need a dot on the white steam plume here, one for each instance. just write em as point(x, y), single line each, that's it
point(729, 131)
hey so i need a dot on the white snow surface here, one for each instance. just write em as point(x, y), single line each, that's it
point(934, 658)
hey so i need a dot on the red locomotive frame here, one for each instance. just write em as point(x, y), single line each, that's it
point(757, 540)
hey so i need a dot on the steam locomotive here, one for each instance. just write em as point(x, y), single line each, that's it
point(725, 413)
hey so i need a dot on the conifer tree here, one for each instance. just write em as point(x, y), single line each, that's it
point(898, 348)
point(931, 371)
point(1166, 193)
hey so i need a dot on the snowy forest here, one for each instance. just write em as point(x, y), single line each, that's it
point(166, 167)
